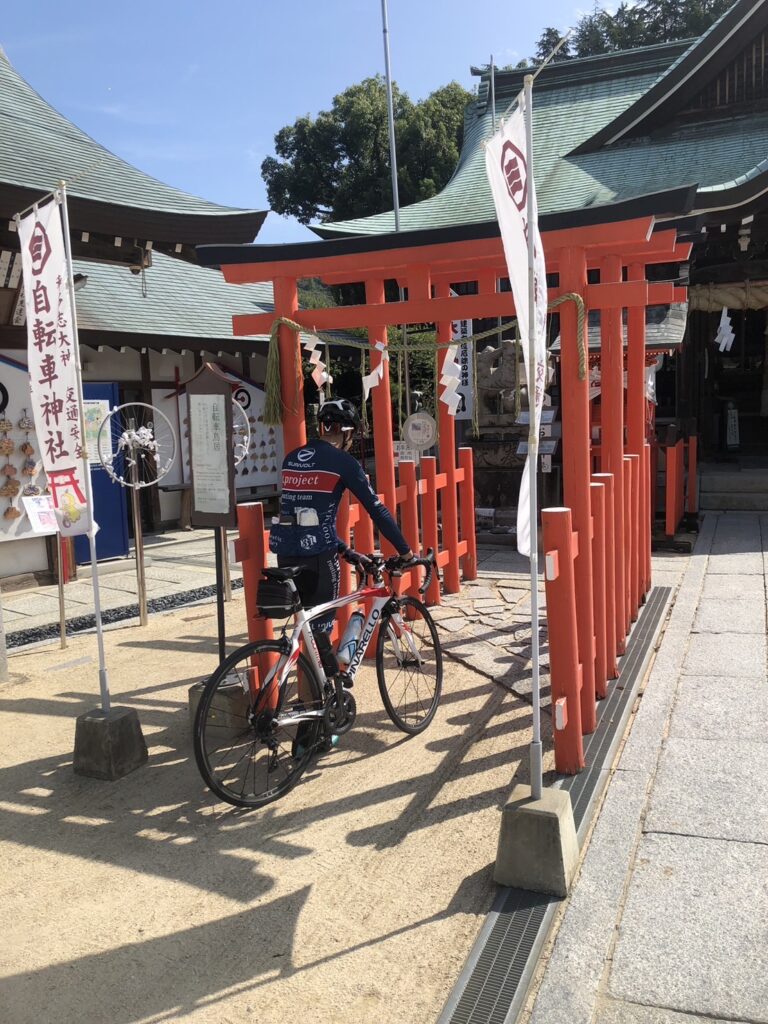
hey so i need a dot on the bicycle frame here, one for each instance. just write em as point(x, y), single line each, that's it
point(380, 595)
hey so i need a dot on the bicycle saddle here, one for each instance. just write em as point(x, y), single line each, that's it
point(286, 572)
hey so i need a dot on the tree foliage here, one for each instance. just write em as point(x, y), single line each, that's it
point(336, 166)
point(631, 25)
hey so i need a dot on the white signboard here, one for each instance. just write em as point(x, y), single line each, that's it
point(420, 431)
point(545, 447)
point(41, 513)
point(463, 329)
point(52, 364)
point(210, 470)
point(95, 411)
point(404, 453)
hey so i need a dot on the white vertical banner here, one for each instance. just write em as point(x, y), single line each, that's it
point(506, 164)
point(463, 329)
point(52, 360)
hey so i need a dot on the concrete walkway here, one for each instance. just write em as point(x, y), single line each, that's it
point(668, 921)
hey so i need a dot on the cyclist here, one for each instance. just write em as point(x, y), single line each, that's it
point(314, 478)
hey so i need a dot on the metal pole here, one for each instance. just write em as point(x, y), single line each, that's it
point(395, 189)
point(533, 454)
point(138, 538)
point(221, 623)
point(225, 563)
point(103, 678)
point(60, 582)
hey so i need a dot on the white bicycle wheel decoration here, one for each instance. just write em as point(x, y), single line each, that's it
point(241, 432)
point(136, 445)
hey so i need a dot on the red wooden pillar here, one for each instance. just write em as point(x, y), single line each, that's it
point(633, 521)
point(598, 564)
point(429, 519)
point(345, 581)
point(612, 668)
point(576, 468)
point(612, 441)
point(449, 506)
point(627, 547)
point(636, 424)
point(381, 397)
point(692, 506)
point(469, 562)
point(291, 377)
point(251, 551)
point(409, 516)
point(566, 674)
point(648, 512)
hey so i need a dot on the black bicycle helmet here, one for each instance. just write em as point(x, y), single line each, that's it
point(339, 412)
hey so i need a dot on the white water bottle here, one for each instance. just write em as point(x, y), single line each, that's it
point(348, 645)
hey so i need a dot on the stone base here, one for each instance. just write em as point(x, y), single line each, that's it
point(109, 746)
point(538, 849)
point(231, 705)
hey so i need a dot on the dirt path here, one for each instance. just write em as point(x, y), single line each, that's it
point(354, 899)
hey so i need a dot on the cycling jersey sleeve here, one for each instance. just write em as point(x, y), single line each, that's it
point(356, 481)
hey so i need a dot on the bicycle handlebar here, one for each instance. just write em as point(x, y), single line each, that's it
point(372, 565)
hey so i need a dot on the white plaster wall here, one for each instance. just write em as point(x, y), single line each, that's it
point(18, 557)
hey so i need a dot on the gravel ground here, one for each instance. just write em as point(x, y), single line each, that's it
point(356, 898)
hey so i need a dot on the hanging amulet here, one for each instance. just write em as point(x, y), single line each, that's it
point(9, 469)
point(27, 448)
point(6, 446)
point(11, 513)
point(25, 423)
point(29, 468)
point(5, 425)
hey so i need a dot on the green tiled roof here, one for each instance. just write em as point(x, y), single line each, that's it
point(40, 147)
point(574, 102)
point(182, 300)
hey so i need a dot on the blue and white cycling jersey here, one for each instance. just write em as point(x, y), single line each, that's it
point(314, 479)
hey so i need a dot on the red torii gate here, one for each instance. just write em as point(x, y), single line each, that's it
point(427, 269)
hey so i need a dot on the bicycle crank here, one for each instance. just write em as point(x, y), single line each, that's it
point(339, 718)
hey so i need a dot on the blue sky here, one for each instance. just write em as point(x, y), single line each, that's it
point(193, 92)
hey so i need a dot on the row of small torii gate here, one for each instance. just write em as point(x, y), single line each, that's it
point(598, 547)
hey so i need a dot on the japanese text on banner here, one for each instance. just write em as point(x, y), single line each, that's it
point(53, 381)
point(506, 164)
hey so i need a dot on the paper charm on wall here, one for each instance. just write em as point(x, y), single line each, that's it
point(450, 379)
point(370, 380)
point(320, 374)
point(724, 337)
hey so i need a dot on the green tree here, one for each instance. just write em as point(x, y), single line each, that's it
point(336, 166)
point(640, 24)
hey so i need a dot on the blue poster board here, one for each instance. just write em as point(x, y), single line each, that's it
point(109, 499)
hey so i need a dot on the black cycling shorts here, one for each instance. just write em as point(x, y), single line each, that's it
point(318, 583)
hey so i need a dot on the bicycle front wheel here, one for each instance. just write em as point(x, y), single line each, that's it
point(409, 665)
point(251, 748)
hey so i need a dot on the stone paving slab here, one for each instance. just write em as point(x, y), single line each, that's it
point(745, 563)
point(708, 709)
point(732, 587)
point(680, 943)
point(725, 654)
point(613, 1012)
point(32, 605)
point(729, 799)
point(744, 616)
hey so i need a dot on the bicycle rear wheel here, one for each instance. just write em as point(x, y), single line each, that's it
point(248, 752)
point(409, 665)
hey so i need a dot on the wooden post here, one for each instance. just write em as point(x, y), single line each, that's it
point(576, 467)
point(692, 506)
point(381, 397)
point(345, 569)
point(612, 668)
point(598, 564)
point(467, 492)
point(291, 377)
point(636, 425)
point(447, 433)
point(612, 443)
point(627, 546)
point(648, 513)
point(251, 551)
point(559, 542)
point(633, 521)
point(409, 515)
point(429, 519)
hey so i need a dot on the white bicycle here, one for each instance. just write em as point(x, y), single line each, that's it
point(269, 707)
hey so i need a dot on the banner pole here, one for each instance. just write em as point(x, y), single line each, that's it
point(103, 679)
point(533, 455)
point(60, 585)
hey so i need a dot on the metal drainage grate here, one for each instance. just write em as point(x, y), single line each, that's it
point(494, 983)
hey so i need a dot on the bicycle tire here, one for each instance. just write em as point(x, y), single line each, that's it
point(410, 713)
point(240, 722)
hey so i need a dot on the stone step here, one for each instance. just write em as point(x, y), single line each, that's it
point(743, 482)
point(733, 501)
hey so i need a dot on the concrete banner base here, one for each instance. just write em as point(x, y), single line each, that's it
point(109, 746)
point(538, 849)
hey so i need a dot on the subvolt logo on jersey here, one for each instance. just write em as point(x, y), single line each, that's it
point(305, 455)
